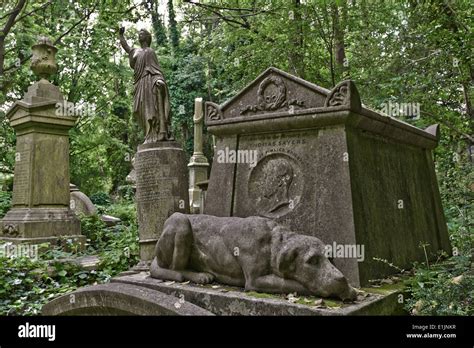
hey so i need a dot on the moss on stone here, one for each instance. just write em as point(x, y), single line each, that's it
point(262, 295)
point(385, 289)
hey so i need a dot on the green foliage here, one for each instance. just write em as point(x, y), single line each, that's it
point(447, 288)
point(94, 229)
point(5, 202)
point(117, 245)
point(26, 284)
point(406, 51)
point(442, 289)
point(100, 198)
point(173, 26)
point(124, 211)
point(121, 251)
point(126, 192)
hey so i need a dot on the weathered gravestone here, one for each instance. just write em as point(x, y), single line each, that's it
point(160, 162)
point(40, 208)
point(328, 167)
point(80, 204)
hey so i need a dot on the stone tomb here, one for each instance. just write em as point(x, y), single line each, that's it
point(327, 166)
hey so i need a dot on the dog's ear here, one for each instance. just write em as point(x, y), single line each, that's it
point(286, 260)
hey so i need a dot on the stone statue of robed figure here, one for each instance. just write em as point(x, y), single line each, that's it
point(151, 106)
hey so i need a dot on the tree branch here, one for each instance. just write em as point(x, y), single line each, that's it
point(11, 19)
point(215, 10)
point(33, 11)
point(86, 16)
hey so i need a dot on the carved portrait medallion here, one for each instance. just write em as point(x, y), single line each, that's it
point(275, 185)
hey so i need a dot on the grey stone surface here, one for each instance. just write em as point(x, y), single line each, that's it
point(119, 299)
point(226, 300)
point(80, 203)
point(88, 262)
point(110, 220)
point(330, 168)
point(132, 176)
point(255, 253)
point(162, 189)
point(198, 164)
point(40, 206)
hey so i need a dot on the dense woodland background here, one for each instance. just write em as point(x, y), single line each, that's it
point(396, 51)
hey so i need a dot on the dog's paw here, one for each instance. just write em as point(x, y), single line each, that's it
point(203, 278)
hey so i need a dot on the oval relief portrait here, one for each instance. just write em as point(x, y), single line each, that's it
point(275, 185)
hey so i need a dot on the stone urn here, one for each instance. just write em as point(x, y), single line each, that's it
point(43, 62)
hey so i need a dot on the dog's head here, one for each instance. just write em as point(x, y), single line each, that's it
point(302, 258)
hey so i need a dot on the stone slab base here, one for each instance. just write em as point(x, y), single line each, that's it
point(39, 223)
point(139, 289)
point(87, 263)
point(79, 240)
point(227, 300)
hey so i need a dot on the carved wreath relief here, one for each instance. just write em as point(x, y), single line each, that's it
point(275, 185)
point(271, 96)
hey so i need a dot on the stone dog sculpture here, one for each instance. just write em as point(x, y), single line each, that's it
point(256, 253)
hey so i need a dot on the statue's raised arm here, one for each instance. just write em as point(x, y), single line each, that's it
point(123, 42)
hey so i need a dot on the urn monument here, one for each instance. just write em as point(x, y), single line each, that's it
point(41, 201)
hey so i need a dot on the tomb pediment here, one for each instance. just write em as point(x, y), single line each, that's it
point(277, 93)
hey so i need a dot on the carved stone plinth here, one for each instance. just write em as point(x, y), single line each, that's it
point(40, 211)
point(162, 189)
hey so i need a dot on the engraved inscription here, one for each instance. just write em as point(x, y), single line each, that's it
point(21, 186)
point(154, 183)
point(157, 191)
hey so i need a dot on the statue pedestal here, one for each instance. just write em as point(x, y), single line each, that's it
point(40, 208)
point(162, 189)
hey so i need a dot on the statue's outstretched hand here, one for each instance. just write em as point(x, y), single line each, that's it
point(121, 30)
point(160, 83)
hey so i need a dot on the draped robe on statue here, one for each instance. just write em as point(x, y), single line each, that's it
point(151, 106)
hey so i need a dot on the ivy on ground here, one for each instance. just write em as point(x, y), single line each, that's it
point(26, 284)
